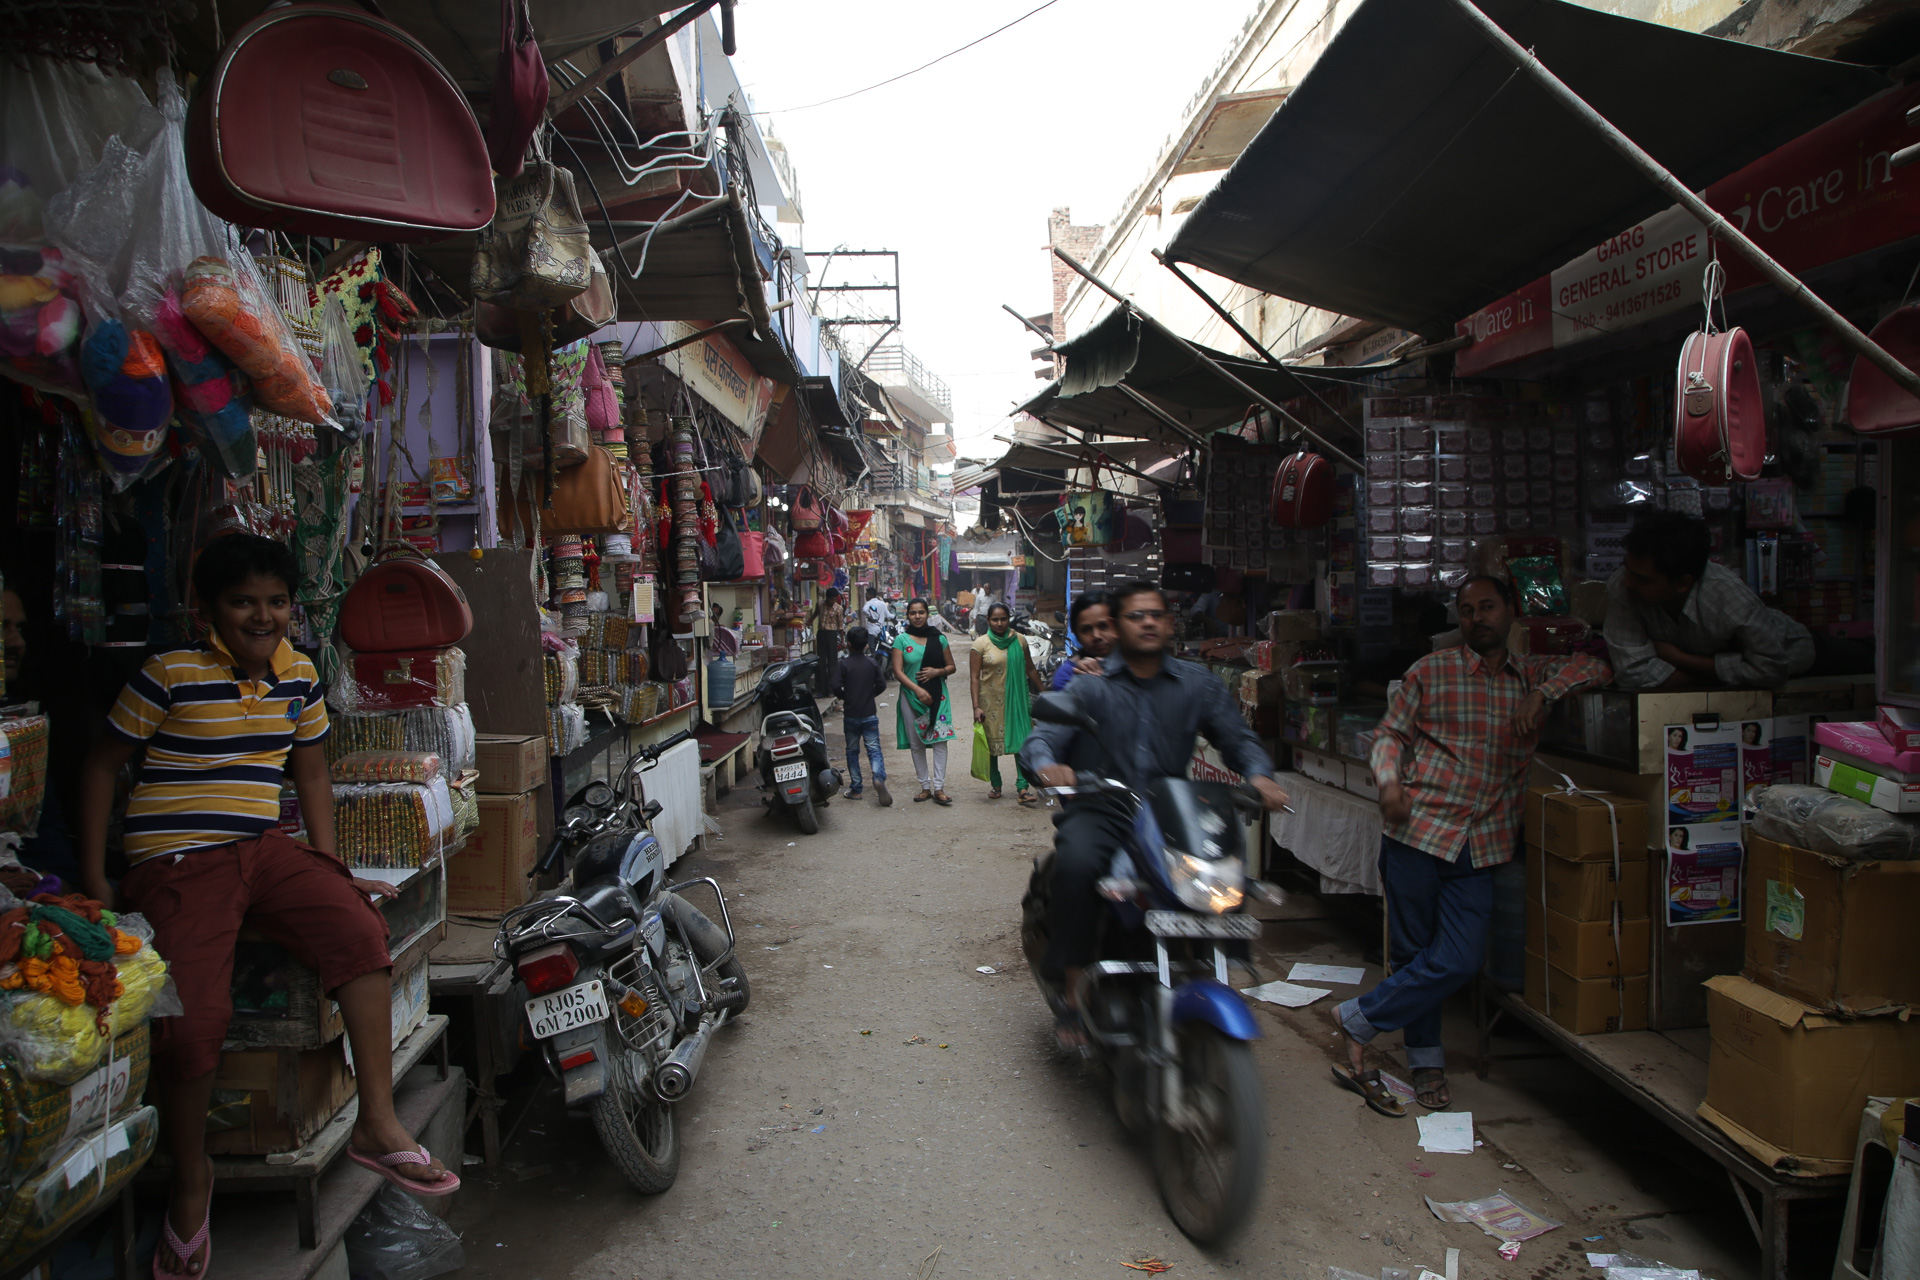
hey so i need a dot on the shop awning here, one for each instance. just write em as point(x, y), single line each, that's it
point(1123, 350)
point(1414, 174)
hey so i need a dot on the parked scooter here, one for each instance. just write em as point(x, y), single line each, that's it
point(1040, 647)
point(792, 756)
point(628, 980)
point(1158, 1013)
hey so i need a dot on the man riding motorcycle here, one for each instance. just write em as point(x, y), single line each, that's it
point(1151, 709)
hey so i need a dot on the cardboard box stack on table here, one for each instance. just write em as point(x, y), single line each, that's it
point(1820, 1018)
point(489, 876)
point(1587, 909)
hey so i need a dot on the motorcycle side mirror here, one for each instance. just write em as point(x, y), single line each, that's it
point(1054, 709)
point(1058, 616)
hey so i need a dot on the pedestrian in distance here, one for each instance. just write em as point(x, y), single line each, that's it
point(924, 718)
point(1451, 757)
point(1091, 621)
point(829, 620)
point(1004, 681)
point(856, 681)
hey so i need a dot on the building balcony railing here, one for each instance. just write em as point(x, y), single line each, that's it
point(894, 365)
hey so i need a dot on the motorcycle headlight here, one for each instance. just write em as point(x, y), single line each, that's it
point(1217, 885)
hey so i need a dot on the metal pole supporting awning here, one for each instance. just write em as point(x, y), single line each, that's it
point(1661, 177)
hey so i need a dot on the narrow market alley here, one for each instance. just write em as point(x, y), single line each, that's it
point(883, 1099)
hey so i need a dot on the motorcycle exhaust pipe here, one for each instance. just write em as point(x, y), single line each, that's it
point(674, 1077)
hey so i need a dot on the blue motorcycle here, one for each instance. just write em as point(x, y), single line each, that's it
point(1159, 1015)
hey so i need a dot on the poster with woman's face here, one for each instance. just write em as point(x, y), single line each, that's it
point(1703, 774)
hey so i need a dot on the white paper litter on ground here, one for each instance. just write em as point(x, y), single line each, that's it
point(1499, 1215)
point(1447, 1133)
point(1304, 972)
point(984, 968)
point(1599, 1259)
point(1285, 993)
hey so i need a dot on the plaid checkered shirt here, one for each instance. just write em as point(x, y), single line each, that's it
point(1448, 737)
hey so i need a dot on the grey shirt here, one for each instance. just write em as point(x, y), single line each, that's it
point(1148, 727)
point(1722, 618)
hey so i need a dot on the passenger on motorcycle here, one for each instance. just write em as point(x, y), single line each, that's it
point(1151, 709)
point(1091, 621)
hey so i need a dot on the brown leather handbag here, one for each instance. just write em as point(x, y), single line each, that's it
point(588, 498)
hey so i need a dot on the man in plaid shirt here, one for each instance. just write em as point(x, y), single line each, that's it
point(1451, 758)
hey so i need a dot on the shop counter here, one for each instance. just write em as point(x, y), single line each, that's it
point(1664, 1073)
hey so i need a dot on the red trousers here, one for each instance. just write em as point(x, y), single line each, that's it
point(197, 901)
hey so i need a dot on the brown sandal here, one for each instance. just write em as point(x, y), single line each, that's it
point(1431, 1082)
point(924, 795)
point(941, 797)
point(1371, 1087)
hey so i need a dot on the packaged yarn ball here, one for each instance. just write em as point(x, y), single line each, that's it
point(74, 976)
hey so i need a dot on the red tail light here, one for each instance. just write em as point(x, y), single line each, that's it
point(782, 745)
point(580, 1059)
point(548, 969)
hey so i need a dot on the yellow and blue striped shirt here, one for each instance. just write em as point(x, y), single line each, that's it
point(217, 745)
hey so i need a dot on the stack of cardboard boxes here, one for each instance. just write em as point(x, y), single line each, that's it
point(1587, 910)
point(1819, 1019)
point(490, 874)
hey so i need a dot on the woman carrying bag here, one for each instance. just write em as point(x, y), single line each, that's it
point(922, 662)
point(1004, 682)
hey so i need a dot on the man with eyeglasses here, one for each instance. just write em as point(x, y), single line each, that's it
point(1151, 710)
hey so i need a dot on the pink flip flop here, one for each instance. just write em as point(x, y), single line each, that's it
point(387, 1166)
point(184, 1251)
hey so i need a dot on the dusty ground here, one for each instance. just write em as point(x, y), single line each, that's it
point(885, 1110)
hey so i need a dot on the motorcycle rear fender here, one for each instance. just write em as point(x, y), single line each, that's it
point(1217, 1005)
point(587, 1081)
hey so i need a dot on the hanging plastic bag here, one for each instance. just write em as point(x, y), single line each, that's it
point(342, 368)
point(227, 301)
point(54, 120)
point(395, 1238)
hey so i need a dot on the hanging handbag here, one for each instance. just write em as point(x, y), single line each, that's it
point(518, 104)
point(1719, 418)
point(603, 402)
point(401, 603)
point(812, 545)
point(1875, 402)
point(534, 255)
point(318, 119)
point(806, 510)
point(753, 554)
point(1303, 491)
point(588, 498)
point(729, 554)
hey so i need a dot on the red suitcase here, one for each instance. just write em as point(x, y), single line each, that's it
point(418, 678)
point(1303, 491)
point(404, 604)
point(323, 120)
point(1719, 413)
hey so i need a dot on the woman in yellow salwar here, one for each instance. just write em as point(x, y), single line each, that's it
point(1004, 682)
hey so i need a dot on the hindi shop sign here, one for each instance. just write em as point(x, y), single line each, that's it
point(1826, 196)
point(715, 369)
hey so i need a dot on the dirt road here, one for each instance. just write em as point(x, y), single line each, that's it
point(885, 1109)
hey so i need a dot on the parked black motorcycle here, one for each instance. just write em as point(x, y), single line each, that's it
point(792, 756)
point(628, 980)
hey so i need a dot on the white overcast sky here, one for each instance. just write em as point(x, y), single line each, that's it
point(958, 166)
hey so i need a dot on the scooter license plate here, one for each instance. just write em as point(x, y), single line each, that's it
point(1175, 924)
point(790, 772)
point(577, 1006)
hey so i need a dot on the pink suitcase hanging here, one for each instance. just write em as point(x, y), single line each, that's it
point(1719, 414)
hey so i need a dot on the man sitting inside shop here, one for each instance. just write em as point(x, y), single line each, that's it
point(1675, 620)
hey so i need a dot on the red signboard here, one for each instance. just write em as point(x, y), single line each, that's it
point(1826, 196)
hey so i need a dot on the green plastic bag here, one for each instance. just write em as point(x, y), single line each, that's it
point(982, 753)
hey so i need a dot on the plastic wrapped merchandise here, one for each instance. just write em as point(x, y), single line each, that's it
point(82, 1175)
point(387, 766)
point(54, 1040)
point(395, 1238)
point(1537, 580)
point(1826, 822)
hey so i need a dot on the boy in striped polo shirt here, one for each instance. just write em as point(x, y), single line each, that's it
point(221, 723)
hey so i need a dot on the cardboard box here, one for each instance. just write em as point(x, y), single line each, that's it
point(1589, 1006)
point(1578, 825)
point(267, 1101)
point(1870, 788)
point(489, 874)
point(1835, 934)
point(510, 763)
point(1788, 1082)
point(1550, 769)
point(1587, 890)
point(1585, 948)
point(1900, 726)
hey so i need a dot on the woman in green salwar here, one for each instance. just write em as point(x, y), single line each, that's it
point(1004, 682)
point(921, 663)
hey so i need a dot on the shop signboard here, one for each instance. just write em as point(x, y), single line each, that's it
point(714, 368)
point(1828, 195)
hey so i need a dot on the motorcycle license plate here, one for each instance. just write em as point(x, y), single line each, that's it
point(1175, 924)
point(789, 772)
point(558, 1011)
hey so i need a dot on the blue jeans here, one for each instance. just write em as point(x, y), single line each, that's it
point(867, 731)
point(1437, 913)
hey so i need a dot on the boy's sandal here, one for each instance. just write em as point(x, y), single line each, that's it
point(1430, 1088)
point(1371, 1087)
point(184, 1250)
point(388, 1167)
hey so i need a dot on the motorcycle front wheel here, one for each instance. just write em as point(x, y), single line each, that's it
point(806, 819)
point(640, 1133)
point(1209, 1173)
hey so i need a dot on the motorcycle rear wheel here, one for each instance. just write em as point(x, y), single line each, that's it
point(806, 819)
point(640, 1133)
point(1210, 1175)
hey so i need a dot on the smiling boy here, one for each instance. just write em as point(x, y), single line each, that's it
point(221, 723)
